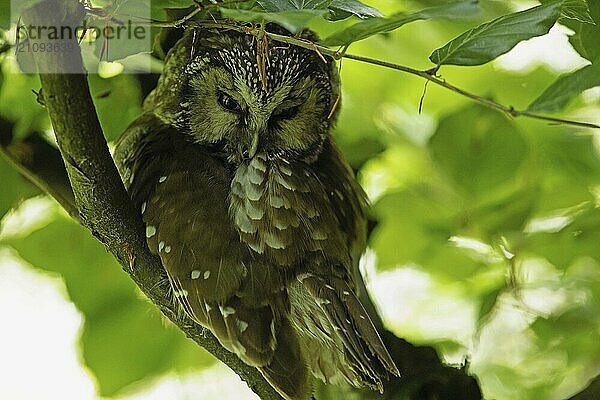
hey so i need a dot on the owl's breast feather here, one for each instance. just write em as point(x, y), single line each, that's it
point(281, 211)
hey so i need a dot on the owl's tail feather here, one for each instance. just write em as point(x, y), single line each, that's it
point(363, 349)
point(288, 372)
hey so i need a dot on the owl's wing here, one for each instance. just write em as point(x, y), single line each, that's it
point(349, 203)
point(355, 348)
point(348, 200)
point(365, 359)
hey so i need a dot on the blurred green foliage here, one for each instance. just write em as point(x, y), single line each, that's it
point(116, 340)
point(501, 215)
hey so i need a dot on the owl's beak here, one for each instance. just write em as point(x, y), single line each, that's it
point(254, 146)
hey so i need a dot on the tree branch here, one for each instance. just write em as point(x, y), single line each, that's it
point(99, 195)
point(590, 392)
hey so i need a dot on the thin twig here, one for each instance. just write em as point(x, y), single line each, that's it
point(178, 23)
point(429, 75)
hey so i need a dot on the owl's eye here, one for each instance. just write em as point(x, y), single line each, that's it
point(287, 113)
point(228, 102)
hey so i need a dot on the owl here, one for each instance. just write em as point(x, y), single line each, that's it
point(255, 215)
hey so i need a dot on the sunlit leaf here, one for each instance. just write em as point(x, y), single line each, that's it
point(341, 9)
point(565, 88)
point(478, 149)
point(16, 187)
point(578, 239)
point(412, 224)
point(448, 262)
point(18, 101)
point(508, 212)
point(577, 10)
point(587, 36)
point(394, 169)
point(449, 346)
point(373, 26)
point(492, 39)
point(476, 249)
point(571, 160)
point(333, 9)
point(488, 303)
point(569, 332)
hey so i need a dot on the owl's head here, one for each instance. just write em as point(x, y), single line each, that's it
point(250, 98)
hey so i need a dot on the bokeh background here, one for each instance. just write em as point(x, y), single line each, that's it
point(486, 239)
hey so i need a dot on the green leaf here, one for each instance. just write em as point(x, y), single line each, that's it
point(286, 5)
point(413, 226)
point(585, 40)
point(487, 41)
point(450, 262)
point(587, 36)
point(125, 339)
point(571, 169)
point(18, 103)
point(508, 213)
point(479, 150)
point(292, 20)
point(373, 26)
point(565, 88)
point(341, 9)
point(337, 9)
point(566, 244)
point(488, 303)
point(5, 14)
point(16, 188)
point(122, 36)
point(577, 10)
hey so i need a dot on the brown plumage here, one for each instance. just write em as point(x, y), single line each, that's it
point(254, 213)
